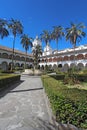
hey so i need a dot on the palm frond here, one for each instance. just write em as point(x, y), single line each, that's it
point(45, 36)
point(75, 33)
point(26, 41)
point(3, 28)
point(15, 26)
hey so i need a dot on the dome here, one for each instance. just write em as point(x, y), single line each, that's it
point(37, 41)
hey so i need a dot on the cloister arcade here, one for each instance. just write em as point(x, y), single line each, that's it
point(19, 59)
point(64, 62)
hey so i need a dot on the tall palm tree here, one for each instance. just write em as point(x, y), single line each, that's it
point(74, 34)
point(57, 34)
point(3, 28)
point(16, 29)
point(37, 52)
point(26, 42)
point(46, 37)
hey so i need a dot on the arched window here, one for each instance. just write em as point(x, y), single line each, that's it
point(80, 66)
point(42, 67)
point(17, 57)
point(17, 65)
point(42, 60)
point(50, 67)
point(54, 59)
point(4, 65)
point(27, 59)
point(22, 58)
point(60, 58)
point(10, 56)
point(65, 67)
point(5, 55)
point(72, 57)
point(72, 65)
point(85, 56)
point(50, 60)
point(66, 58)
point(80, 56)
point(60, 66)
point(54, 66)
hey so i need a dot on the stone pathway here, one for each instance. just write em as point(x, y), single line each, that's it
point(23, 106)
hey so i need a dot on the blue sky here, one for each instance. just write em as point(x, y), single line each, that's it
point(38, 15)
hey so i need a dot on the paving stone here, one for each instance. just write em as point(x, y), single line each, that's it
point(23, 105)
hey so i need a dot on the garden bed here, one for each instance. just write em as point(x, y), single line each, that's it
point(68, 104)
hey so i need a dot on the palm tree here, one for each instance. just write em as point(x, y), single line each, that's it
point(26, 42)
point(46, 37)
point(74, 34)
point(3, 28)
point(16, 28)
point(57, 34)
point(37, 52)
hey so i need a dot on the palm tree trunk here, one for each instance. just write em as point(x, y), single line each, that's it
point(74, 56)
point(36, 61)
point(46, 56)
point(74, 50)
point(13, 54)
point(25, 60)
point(57, 53)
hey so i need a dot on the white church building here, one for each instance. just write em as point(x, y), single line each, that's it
point(63, 59)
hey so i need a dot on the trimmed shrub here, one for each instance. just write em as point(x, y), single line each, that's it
point(6, 80)
point(71, 78)
point(58, 76)
point(82, 77)
point(7, 71)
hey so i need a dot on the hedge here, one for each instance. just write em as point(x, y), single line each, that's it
point(80, 77)
point(6, 80)
point(58, 76)
point(68, 104)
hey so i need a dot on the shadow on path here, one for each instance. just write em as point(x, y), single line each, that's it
point(10, 87)
point(25, 90)
point(30, 76)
